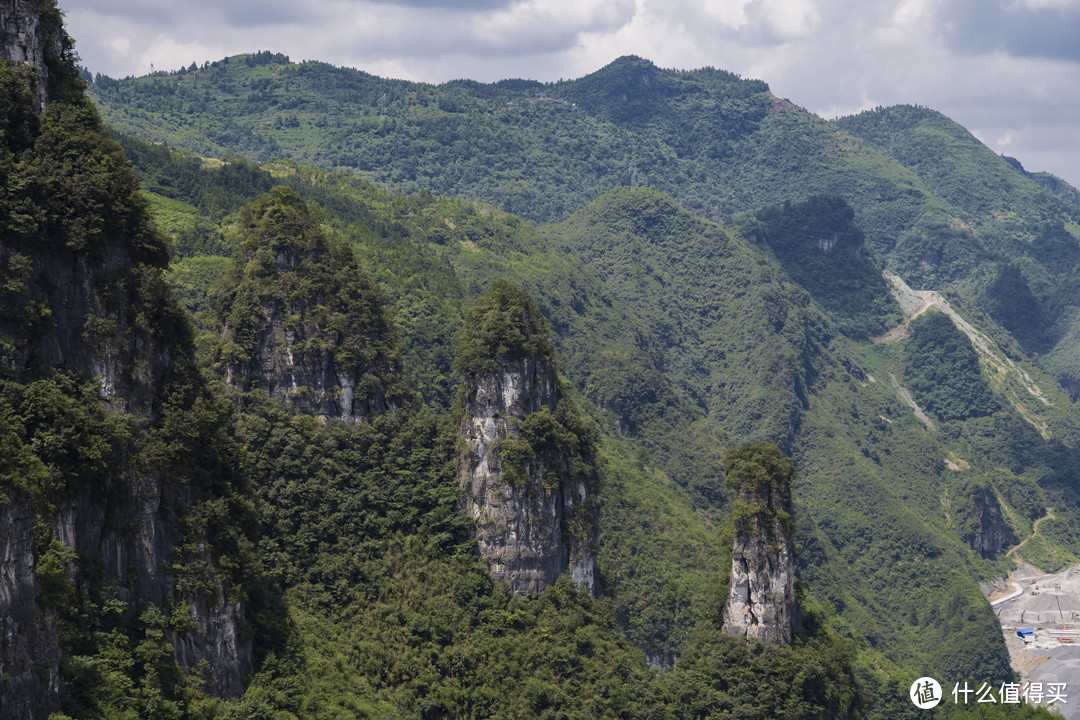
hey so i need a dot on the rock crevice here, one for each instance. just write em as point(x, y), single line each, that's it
point(83, 300)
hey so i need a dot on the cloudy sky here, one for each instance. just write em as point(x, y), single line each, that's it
point(1008, 70)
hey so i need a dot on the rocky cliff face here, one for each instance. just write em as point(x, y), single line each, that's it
point(1071, 386)
point(761, 602)
point(70, 314)
point(82, 298)
point(535, 520)
point(80, 266)
point(761, 599)
point(25, 39)
point(132, 531)
point(217, 641)
point(303, 322)
point(30, 680)
point(527, 464)
point(984, 528)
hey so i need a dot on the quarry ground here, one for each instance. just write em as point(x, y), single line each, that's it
point(1051, 605)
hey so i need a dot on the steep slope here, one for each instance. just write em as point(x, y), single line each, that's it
point(112, 450)
point(300, 320)
point(628, 124)
point(32, 36)
point(953, 164)
point(761, 601)
point(821, 248)
point(938, 207)
point(528, 465)
point(1006, 207)
point(769, 366)
point(361, 522)
point(881, 557)
point(647, 327)
point(732, 333)
point(430, 258)
point(1027, 237)
point(718, 143)
point(1009, 425)
point(681, 338)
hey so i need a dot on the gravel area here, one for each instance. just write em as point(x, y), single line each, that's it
point(1051, 605)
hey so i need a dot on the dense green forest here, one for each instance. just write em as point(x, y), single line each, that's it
point(701, 261)
point(934, 203)
point(654, 377)
point(942, 370)
point(718, 143)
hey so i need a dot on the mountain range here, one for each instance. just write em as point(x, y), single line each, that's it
point(282, 343)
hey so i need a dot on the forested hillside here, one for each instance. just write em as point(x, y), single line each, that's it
point(688, 338)
point(718, 143)
point(936, 205)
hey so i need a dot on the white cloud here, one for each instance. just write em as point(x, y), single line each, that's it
point(121, 45)
point(550, 23)
point(165, 53)
point(791, 19)
point(910, 12)
point(729, 14)
point(909, 22)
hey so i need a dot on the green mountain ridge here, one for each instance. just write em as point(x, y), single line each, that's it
point(938, 207)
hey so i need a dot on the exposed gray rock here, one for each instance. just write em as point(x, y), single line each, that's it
point(1070, 386)
point(761, 597)
point(136, 552)
point(303, 322)
point(25, 39)
point(761, 601)
point(96, 308)
point(532, 526)
point(30, 680)
point(292, 364)
point(135, 547)
point(86, 333)
point(986, 531)
point(215, 639)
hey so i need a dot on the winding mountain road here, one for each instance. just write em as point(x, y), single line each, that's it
point(1034, 531)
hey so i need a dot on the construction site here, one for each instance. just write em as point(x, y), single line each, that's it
point(1040, 618)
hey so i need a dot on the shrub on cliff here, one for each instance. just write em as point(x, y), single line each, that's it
point(287, 263)
point(762, 478)
point(504, 323)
